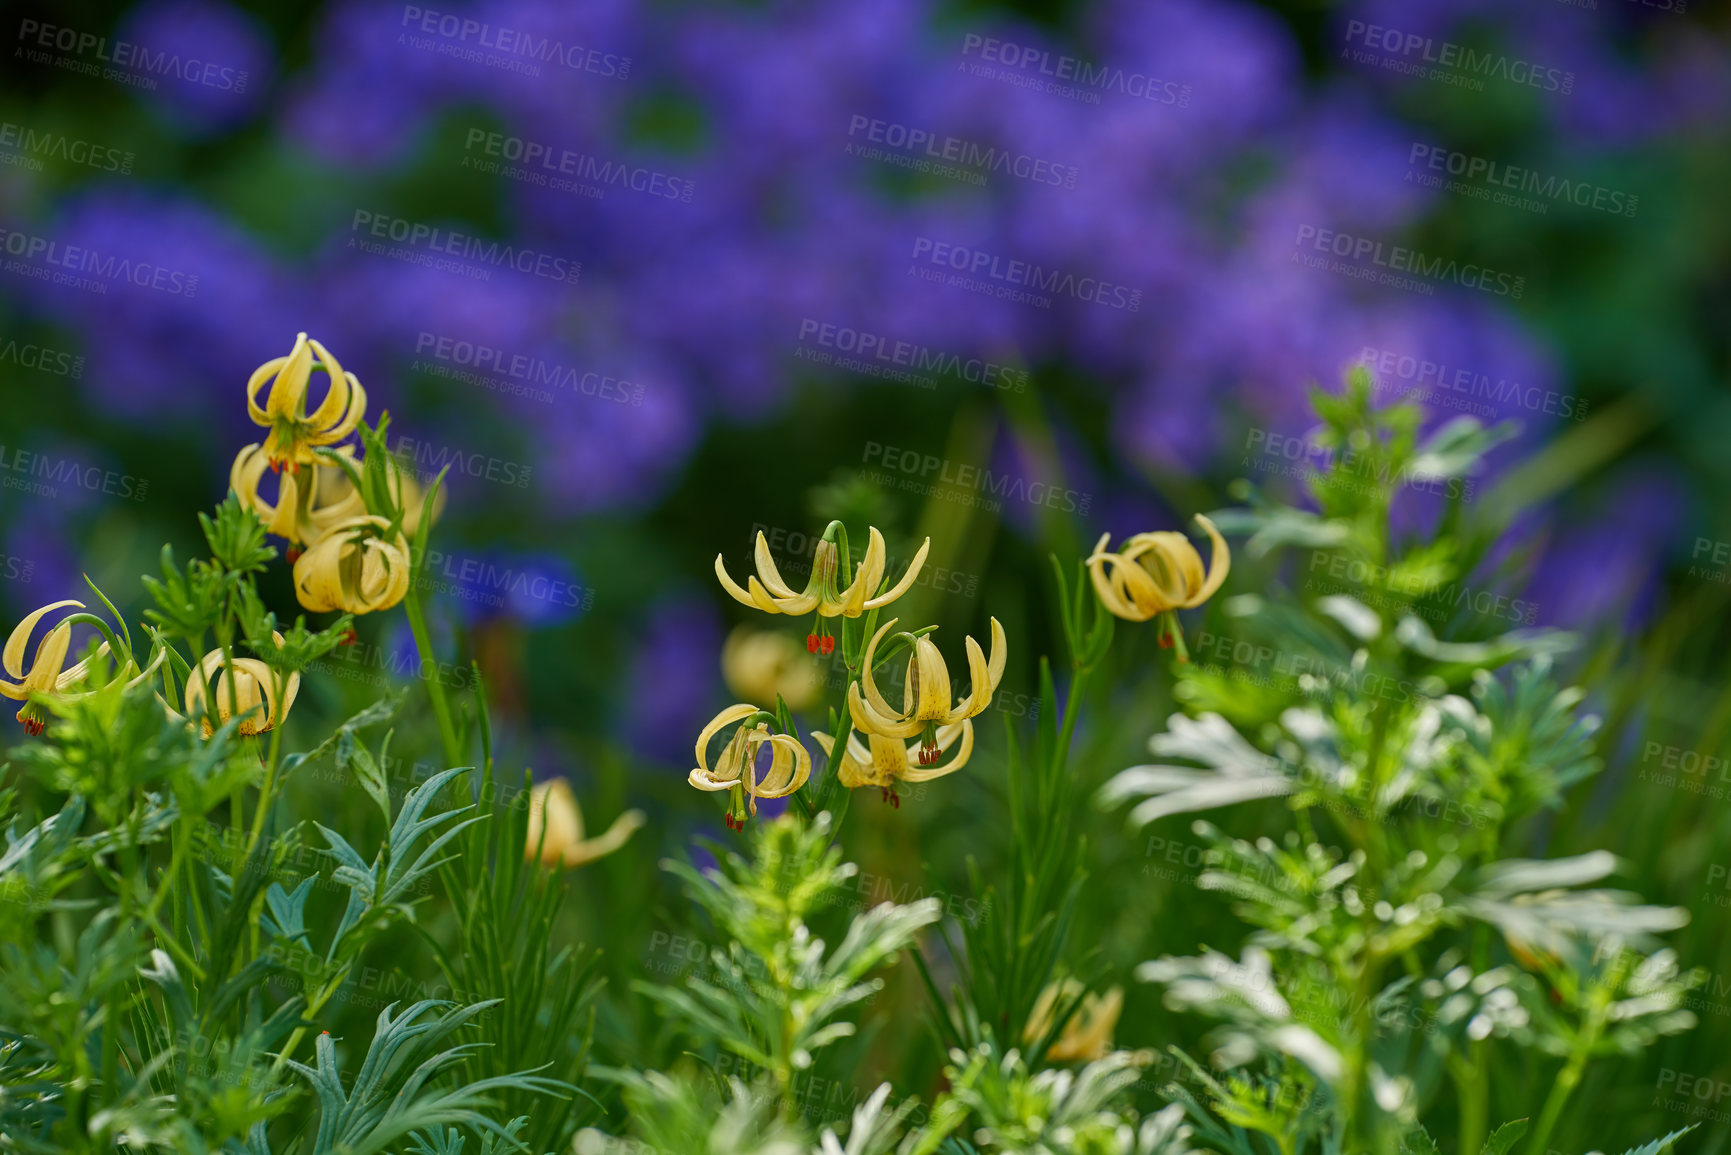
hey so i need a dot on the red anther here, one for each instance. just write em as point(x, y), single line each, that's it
point(33, 726)
point(811, 643)
point(1165, 641)
point(828, 645)
point(895, 800)
point(275, 466)
point(349, 637)
point(293, 553)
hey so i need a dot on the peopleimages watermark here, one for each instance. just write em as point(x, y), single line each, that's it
point(1454, 387)
point(1310, 460)
point(27, 355)
point(89, 270)
point(537, 163)
point(42, 474)
point(924, 150)
point(1379, 586)
point(1070, 77)
point(916, 470)
point(1483, 179)
point(122, 61)
point(1717, 554)
point(16, 569)
point(509, 49)
point(426, 460)
point(1699, 1096)
point(993, 275)
point(27, 148)
point(875, 355)
point(1388, 261)
point(1681, 768)
point(489, 583)
point(450, 251)
point(1446, 61)
point(516, 374)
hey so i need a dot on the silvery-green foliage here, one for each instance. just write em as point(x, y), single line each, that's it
point(775, 993)
point(682, 1114)
point(1061, 1111)
point(1396, 926)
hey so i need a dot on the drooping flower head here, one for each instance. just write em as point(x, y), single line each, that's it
point(556, 828)
point(249, 690)
point(295, 433)
point(769, 593)
point(1157, 574)
point(888, 762)
point(46, 674)
point(736, 767)
point(357, 567)
point(927, 706)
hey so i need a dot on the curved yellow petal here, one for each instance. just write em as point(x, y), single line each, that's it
point(867, 682)
point(1219, 563)
point(20, 637)
point(927, 773)
point(907, 581)
point(732, 587)
point(870, 720)
point(726, 718)
point(928, 683)
point(767, 570)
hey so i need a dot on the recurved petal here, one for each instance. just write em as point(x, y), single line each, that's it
point(907, 582)
point(929, 680)
point(760, 597)
point(357, 400)
point(20, 637)
point(789, 767)
point(867, 682)
point(871, 720)
point(616, 835)
point(716, 724)
point(1105, 588)
point(732, 587)
point(946, 736)
point(288, 391)
point(336, 402)
point(766, 570)
point(1219, 563)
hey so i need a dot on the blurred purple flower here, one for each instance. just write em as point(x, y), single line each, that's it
point(674, 685)
point(210, 62)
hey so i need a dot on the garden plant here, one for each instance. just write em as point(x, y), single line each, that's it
point(221, 932)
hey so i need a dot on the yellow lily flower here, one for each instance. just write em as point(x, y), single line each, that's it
point(736, 768)
point(769, 593)
point(307, 506)
point(255, 684)
point(1155, 573)
point(556, 828)
point(46, 674)
point(1087, 1034)
point(926, 704)
point(354, 568)
point(1158, 574)
point(758, 665)
point(885, 762)
point(295, 433)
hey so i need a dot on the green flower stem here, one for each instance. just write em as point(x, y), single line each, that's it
point(1569, 1077)
point(268, 790)
point(435, 688)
